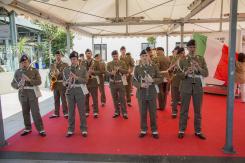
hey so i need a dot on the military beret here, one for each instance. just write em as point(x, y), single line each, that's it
point(176, 48)
point(88, 50)
point(73, 54)
point(148, 49)
point(129, 54)
point(160, 48)
point(81, 55)
point(143, 52)
point(114, 52)
point(23, 58)
point(122, 48)
point(58, 52)
point(180, 50)
point(191, 43)
point(96, 55)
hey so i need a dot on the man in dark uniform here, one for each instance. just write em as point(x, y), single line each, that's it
point(193, 69)
point(26, 80)
point(146, 76)
point(56, 74)
point(116, 69)
point(75, 79)
point(93, 71)
point(98, 63)
point(129, 61)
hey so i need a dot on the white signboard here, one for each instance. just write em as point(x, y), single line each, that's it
point(4, 31)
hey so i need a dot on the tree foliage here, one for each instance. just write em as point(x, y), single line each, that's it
point(55, 36)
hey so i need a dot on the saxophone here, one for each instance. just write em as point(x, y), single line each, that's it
point(54, 75)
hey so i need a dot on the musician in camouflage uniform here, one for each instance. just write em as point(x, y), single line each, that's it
point(146, 77)
point(163, 63)
point(193, 69)
point(56, 71)
point(101, 75)
point(81, 59)
point(26, 80)
point(93, 71)
point(75, 79)
point(129, 61)
point(175, 80)
point(115, 70)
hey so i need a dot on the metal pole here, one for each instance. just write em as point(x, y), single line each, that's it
point(93, 44)
point(117, 10)
point(228, 148)
point(182, 35)
point(3, 142)
point(68, 40)
point(127, 15)
point(221, 16)
point(13, 33)
point(167, 44)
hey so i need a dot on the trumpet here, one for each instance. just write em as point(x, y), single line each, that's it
point(147, 79)
point(192, 69)
point(70, 82)
point(24, 77)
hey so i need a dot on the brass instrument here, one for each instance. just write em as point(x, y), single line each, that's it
point(54, 76)
point(21, 83)
point(71, 81)
point(193, 69)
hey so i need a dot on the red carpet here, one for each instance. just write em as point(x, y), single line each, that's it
point(118, 136)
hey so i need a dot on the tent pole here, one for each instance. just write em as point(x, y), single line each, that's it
point(221, 16)
point(182, 35)
point(228, 148)
point(3, 142)
point(167, 44)
point(68, 40)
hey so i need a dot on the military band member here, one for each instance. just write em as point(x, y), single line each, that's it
point(150, 53)
point(146, 76)
point(102, 67)
point(163, 63)
point(175, 80)
point(92, 84)
point(193, 68)
point(56, 76)
point(115, 70)
point(26, 80)
point(129, 61)
point(81, 59)
point(75, 79)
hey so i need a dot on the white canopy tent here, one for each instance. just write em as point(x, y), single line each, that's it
point(143, 17)
point(131, 17)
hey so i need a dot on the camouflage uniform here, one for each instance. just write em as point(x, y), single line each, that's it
point(116, 86)
point(130, 65)
point(59, 88)
point(163, 64)
point(147, 96)
point(28, 98)
point(191, 86)
point(92, 86)
point(76, 96)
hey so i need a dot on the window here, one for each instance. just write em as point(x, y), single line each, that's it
point(145, 45)
point(101, 49)
point(179, 44)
